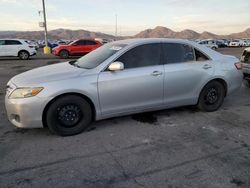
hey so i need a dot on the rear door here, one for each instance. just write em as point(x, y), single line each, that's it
point(138, 86)
point(78, 48)
point(186, 71)
point(13, 47)
point(90, 46)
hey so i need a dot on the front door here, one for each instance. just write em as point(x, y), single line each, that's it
point(138, 86)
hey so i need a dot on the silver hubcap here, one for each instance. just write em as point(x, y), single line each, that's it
point(24, 55)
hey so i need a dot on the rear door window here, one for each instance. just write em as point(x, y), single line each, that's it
point(2, 42)
point(81, 42)
point(177, 53)
point(12, 42)
point(142, 56)
point(89, 42)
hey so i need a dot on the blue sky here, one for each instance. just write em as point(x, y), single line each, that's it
point(219, 16)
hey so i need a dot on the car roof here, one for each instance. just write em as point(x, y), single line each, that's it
point(149, 40)
point(21, 40)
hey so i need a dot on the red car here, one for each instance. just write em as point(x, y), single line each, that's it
point(76, 48)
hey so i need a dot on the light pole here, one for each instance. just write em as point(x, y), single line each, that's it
point(46, 48)
point(116, 26)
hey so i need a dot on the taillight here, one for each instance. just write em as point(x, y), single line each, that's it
point(238, 66)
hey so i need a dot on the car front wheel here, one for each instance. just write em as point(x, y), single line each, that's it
point(211, 97)
point(69, 115)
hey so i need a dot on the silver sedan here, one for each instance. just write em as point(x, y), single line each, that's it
point(121, 78)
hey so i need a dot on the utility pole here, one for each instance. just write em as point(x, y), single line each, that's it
point(46, 48)
point(116, 26)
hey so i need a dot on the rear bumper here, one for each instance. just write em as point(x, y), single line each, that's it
point(246, 70)
point(33, 52)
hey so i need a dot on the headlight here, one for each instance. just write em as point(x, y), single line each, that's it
point(25, 92)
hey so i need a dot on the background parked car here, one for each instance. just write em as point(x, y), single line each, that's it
point(237, 43)
point(33, 43)
point(245, 59)
point(17, 48)
point(76, 48)
point(209, 43)
point(221, 44)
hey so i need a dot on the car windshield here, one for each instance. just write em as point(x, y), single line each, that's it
point(73, 42)
point(99, 55)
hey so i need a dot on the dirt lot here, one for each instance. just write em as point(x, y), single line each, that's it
point(173, 148)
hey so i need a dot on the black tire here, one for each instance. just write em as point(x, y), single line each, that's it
point(69, 115)
point(64, 54)
point(247, 83)
point(214, 48)
point(23, 55)
point(211, 97)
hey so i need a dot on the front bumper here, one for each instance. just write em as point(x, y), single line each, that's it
point(55, 52)
point(25, 113)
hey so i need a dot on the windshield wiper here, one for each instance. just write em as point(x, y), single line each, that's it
point(74, 63)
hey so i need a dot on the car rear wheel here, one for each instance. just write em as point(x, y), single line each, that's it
point(211, 97)
point(64, 54)
point(213, 48)
point(23, 55)
point(69, 115)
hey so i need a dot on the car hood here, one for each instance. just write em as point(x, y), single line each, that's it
point(50, 73)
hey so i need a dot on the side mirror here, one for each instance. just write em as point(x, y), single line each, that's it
point(116, 66)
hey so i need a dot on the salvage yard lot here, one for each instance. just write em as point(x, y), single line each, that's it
point(180, 147)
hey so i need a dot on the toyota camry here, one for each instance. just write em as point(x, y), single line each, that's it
point(121, 78)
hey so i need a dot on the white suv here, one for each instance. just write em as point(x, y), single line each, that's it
point(209, 43)
point(17, 48)
point(237, 43)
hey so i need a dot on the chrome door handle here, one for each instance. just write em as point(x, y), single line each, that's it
point(207, 66)
point(156, 73)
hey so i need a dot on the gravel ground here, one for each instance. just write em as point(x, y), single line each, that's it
point(180, 147)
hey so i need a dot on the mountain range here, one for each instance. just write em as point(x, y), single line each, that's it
point(158, 32)
point(164, 32)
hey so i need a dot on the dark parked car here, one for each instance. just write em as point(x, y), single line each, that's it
point(245, 59)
